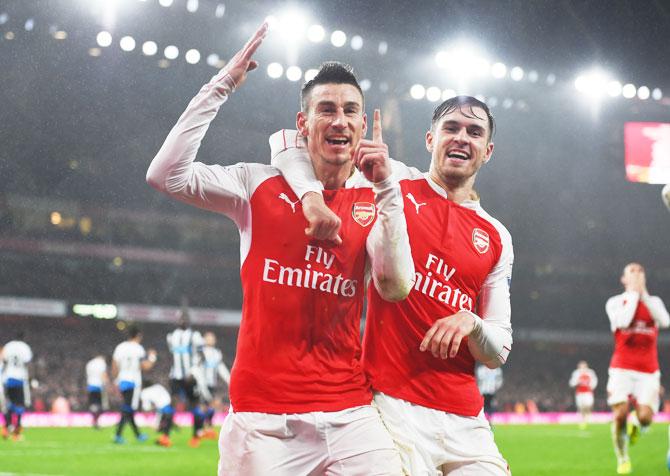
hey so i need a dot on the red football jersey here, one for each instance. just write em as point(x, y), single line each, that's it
point(635, 346)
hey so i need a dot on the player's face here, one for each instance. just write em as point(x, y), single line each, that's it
point(334, 123)
point(459, 145)
point(633, 276)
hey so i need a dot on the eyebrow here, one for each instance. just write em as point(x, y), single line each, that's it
point(332, 104)
point(458, 123)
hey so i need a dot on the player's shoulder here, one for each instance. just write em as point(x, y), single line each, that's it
point(402, 171)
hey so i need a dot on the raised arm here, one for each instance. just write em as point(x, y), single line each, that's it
point(657, 310)
point(621, 309)
point(174, 171)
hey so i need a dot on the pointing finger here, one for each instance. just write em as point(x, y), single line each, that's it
point(377, 127)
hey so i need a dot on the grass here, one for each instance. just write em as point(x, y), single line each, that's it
point(532, 450)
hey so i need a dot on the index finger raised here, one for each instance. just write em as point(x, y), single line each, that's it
point(377, 127)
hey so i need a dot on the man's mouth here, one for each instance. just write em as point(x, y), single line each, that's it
point(458, 154)
point(337, 140)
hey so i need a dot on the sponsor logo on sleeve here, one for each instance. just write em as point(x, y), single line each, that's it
point(363, 213)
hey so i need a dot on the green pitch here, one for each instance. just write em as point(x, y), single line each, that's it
point(533, 450)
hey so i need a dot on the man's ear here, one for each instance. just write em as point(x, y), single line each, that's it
point(429, 141)
point(301, 123)
point(489, 152)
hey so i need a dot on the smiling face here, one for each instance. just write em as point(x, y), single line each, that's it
point(333, 123)
point(459, 144)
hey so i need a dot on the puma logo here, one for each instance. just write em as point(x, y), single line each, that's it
point(284, 197)
point(411, 198)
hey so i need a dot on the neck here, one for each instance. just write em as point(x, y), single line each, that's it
point(458, 190)
point(332, 176)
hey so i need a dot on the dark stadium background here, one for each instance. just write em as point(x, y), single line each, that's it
point(77, 134)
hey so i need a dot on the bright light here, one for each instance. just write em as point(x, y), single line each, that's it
point(593, 84)
point(165, 3)
point(365, 84)
point(293, 73)
point(9, 35)
point(311, 73)
point(463, 59)
point(657, 94)
point(127, 43)
point(356, 42)
point(291, 25)
point(516, 73)
point(614, 89)
point(338, 38)
point(533, 76)
point(220, 10)
point(213, 60)
point(448, 94)
point(95, 52)
point(149, 48)
point(171, 52)
point(316, 33)
point(60, 35)
point(643, 92)
point(104, 39)
point(433, 94)
point(192, 56)
point(383, 48)
point(29, 25)
point(163, 63)
point(192, 6)
point(275, 70)
point(417, 91)
point(3, 18)
point(629, 91)
point(551, 79)
point(498, 70)
point(56, 218)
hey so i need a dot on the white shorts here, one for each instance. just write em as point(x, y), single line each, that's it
point(643, 386)
point(433, 442)
point(351, 442)
point(584, 400)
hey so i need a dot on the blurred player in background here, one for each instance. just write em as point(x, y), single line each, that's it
point(489, 382)
point(584, 381)
point(156, 398)
point(665, 194)
point(215, 370)
point(420, 353)
point(96, 386)
point(128, 362)
point(635, 318)
point(16, 356)
point(185, 345)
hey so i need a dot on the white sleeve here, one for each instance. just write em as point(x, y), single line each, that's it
point(388, 244)
point(174, 172)
point(657, 310)
point(621, 309)
point(224, 373)
point(289, 154)
point(594, 380)
point(574, 378)
point(491, 340)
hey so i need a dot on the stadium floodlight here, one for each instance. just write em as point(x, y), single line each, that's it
point(293, 73)
point(338, 38)
point(417, 91)
point(382, 48)
point(657, 94)
point(614, 89)
point(356, 42)
point(311, 73)
point(95, 52)
point(3, 18)
point(463, 59)
point(127, 43)
point(29, 25)
point(629, 91)
point(516, 73)
point(448, 94)
point(275, 70)
point(290, 24)
point(9, 35)
point(316, 33)
point(149, 48)
point(551, 79)
point(533, 76)
point(593, 83)
point(213, 60)
point(56, 218)
point(365, 84)
point(192, 56)
point(165, 3)
point(433, 94)
point(220, 10)
point(60, 35)
point(192, 6)
point(104, 39)
point(643, 92)
point(171, 52)
point(498, 70)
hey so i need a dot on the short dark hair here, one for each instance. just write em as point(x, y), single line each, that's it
point(466, 105)
point(331, 72)
point(133, 331)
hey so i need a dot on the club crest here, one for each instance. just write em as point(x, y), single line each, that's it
point(480, 239)
point(363, 213)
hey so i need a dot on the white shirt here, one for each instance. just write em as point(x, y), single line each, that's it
point(184, 345)
point(489, 380)
point(16, 356)
point(128, 356)
point(214, 366)
point(154, 397)
point(621, 309)
point(95, 371)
